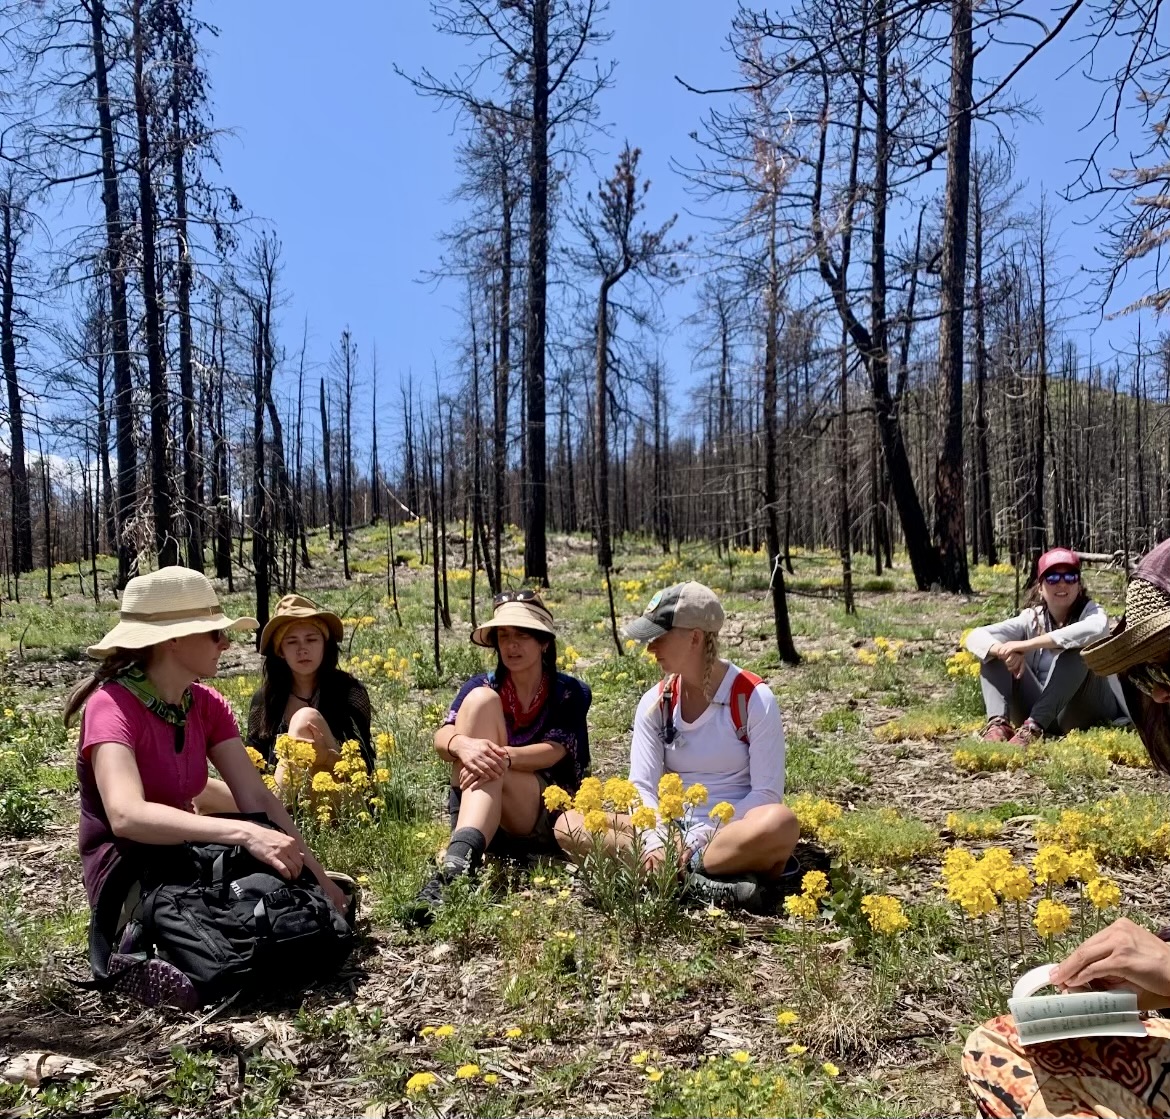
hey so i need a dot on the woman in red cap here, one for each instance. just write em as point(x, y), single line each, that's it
point(1102, 1075)
point(1032, 673)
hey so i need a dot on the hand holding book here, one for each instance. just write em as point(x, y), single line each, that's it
point(1042, 1018)
point(1122, 956)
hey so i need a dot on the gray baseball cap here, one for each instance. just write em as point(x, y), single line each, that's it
point(682, 606)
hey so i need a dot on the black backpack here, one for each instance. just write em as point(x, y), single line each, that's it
point(230, 923)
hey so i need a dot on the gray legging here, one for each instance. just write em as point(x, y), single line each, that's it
point(1071, 698)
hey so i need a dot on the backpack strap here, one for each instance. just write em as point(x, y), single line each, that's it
point(667, 701)
point(741, 693)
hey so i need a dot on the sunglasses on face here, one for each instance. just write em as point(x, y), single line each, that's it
point(1147, 678)
point(1054, 577)
point(217, 635)
point(519, 596)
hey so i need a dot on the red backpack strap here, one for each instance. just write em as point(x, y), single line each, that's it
point(667, 701)
point(741, 693)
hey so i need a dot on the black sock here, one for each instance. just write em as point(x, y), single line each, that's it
point(465, 850)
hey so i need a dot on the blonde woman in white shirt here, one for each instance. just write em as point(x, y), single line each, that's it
point(713, 724)
point(1032, 673)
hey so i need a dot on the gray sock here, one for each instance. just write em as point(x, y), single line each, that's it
point(465, 850)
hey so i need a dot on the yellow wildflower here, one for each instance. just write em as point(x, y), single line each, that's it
point(640, 1058)
point(490, 1078)
point(513, 1031)
point(815, 885)
point(467, 1072)
point(589, 795)
point(787, 1018)
point(670, 806)
point(323, 783)
point(444, 1031)
point(1104, 893)
point(621, 794)
point(796, 1050)
point(884, 914)
point(695, 795)
point(670, 784)
point(1051, 865)
point(1082, 864)
point(420, 1082)
point(654, 1075)
point(801, 907)
point(723, 812)
point(975, 896)
point(556, 799)
point(596, 821)
point(644, 818)
point(741, 1057)
point(256, 758)
point(1052, 918)
point(1015, 885)
point(830, 1069)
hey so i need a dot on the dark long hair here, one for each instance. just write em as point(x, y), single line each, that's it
point(276, 685)
point(110, 668)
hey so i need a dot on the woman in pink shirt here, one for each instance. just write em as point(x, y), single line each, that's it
point(148, 731)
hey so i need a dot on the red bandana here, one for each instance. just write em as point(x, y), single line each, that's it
point(515, 715)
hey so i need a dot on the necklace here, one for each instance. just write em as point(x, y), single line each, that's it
point(305, 698)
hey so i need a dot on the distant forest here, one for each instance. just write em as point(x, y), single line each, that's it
point(877, 324)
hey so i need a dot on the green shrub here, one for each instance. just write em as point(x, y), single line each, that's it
point(23, 812)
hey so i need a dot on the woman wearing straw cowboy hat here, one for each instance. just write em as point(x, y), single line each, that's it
point(1112, 1075)
point(148, 730)
point(509, 735)
point(302, 692)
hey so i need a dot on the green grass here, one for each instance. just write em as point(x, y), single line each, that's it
point(531, 949)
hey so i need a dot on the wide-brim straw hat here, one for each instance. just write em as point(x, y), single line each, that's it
point(296, 608)
point(530, 614)
point(1143, 636)
point(170, 602)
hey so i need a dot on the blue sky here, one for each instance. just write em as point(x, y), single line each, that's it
point(354, 170)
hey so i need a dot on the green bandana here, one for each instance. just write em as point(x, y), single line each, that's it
point(136, 682)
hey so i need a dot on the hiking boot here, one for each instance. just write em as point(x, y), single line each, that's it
point(152, 982)
point(1030, 731)
point(421, 912)
point(744, 891)
point(998, 729)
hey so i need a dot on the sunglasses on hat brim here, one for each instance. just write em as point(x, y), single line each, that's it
point(519, 596)
point(1149, 677)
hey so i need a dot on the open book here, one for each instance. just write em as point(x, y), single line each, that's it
point(1085, 1014)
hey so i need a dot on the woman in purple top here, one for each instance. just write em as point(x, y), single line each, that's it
point(148, 730)
point(1102, 1075)
point(509, 735)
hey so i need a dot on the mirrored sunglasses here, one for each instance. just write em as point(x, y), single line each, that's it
point(217, 635)
point(1147, 678)
point(1054, 577)
point(519, 596)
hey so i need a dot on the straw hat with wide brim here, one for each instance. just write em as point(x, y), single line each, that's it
point(170, 602)
point(1143, 637)
point(531, 614)
point(296, 608)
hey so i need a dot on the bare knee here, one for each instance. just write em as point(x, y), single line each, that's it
point(481, 699)
point(777, 825)
point(308, 724)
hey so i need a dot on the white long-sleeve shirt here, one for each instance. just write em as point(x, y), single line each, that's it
point(709, 752)
point(1035, 620)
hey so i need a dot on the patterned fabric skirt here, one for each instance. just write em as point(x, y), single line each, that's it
point(1095, 1078)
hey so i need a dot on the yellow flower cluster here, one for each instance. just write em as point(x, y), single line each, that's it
point(420, 1082)
point(884, 650)
point(1120, 829)
point(814, 887)
point(722, 812)
point(988, 757)
point(256, 758)
point(977, 885)
point(621, 794)
point(567, 659)
point(962, 664)
point(1118, 745)
point(1052, 918)
point(884, 914)
point(391, 666)
point(813, 813)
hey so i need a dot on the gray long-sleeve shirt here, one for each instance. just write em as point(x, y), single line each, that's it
point(1092, 623)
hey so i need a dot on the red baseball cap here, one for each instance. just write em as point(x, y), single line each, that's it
point(1058, 557)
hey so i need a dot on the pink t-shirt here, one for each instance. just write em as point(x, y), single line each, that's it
point(113, 714)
